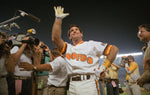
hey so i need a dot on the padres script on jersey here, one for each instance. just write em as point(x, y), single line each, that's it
point(84, 57)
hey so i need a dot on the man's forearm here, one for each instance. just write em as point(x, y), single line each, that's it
point(43, 67)
point(112, 54)
point(56, 34)
point(19, 53)
point(56, 31)
point(13, 59)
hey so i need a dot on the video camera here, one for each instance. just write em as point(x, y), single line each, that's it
point(42, 46)
point(32, 39)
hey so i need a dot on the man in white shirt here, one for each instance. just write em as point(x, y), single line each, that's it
point(58, 76)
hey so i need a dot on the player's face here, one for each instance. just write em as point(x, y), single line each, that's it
point(143, 35)
point(75, 33)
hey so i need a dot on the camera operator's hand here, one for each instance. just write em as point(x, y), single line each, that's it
point(59, 12)
point(25, 39)
point(47, 48)
point(26, 66)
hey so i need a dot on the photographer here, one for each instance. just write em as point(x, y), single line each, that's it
point(21, 82)
point(4, 55)
point(132, 73)
point(42, 76)
point(112, 81)
point(7, 61)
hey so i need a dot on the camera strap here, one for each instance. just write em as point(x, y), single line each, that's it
point(43, 57)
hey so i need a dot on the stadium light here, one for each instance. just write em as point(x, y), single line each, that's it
point(133, 54)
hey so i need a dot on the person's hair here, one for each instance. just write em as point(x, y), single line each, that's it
point(73, 25)
point(146, 26)
point(3, 34)
point(55, 52)
point(4, 48)
point(131, 57)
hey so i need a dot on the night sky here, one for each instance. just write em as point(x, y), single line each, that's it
point(114, 22)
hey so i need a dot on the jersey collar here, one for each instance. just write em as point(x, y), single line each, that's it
point(79, 43)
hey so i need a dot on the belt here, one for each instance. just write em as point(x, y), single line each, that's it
point(81, 77)
point(3, 76)
point(21, 78)
point(57, 86)
point(130, 82)
point(110, 80)
point(100, 79)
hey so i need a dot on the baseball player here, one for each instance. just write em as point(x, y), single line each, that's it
point(82, 57)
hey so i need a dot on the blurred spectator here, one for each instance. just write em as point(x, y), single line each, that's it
point(132, 73)
point(144, 35)
point(112, 83)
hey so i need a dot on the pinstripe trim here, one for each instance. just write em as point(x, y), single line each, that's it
point(107, 49)
point(63, 50)
point(97, 86)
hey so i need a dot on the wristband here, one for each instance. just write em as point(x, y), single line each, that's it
point(106, 63)
point(59, 18)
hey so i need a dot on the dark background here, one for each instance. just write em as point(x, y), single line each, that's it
point(113, 22)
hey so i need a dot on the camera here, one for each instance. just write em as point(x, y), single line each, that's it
point(126, 59)
point(9, 42)
point(42, 46)
point(32, 39)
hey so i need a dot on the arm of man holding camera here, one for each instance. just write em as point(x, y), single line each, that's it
point(14, 57)
point(29, 67)
point(37, 60)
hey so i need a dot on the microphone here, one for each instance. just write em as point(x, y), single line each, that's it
point(22, 13)
point(10, 26)
point(6, 26)
point(14, 25)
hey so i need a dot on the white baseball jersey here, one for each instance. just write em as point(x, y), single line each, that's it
point(84, 57)
point(58, 76)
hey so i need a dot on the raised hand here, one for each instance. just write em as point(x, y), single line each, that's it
point(59, 12)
